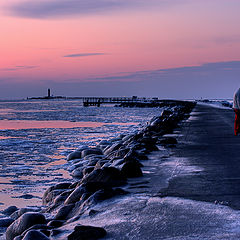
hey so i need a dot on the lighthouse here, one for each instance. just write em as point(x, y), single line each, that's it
point(49, 93)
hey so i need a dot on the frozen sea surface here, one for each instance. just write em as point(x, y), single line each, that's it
point(36, 136)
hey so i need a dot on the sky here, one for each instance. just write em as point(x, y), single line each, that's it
point(179, 49)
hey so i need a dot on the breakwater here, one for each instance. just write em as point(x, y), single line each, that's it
point(101, 172)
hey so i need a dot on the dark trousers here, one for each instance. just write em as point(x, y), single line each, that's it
point(237, 122)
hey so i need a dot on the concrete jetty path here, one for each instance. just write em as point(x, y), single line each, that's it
point(188, 192)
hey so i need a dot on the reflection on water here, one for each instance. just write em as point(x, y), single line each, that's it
point(24, 124)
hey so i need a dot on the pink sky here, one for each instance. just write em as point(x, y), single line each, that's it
point(112, 41)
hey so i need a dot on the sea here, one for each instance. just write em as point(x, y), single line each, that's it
point(37, 135)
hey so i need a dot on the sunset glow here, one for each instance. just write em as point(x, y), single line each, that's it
point(69, 46)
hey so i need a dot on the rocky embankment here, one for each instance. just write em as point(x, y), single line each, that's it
point(99, 174)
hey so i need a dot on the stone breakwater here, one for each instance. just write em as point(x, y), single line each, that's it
point(99, 174)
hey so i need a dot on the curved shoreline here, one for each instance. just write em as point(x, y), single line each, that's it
point(101, 171)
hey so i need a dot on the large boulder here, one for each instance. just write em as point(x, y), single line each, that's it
point(113, 148)
point(87, 170)
point(47, 197)
point(62, 197)
point(91, 151)
point(24, 222)
point(104, 143)
point(8, 211)
point(64, 211)
point(74, 155)
point(104, 194)
point(21, 211)
point(87, 233)
point(75, 195)
point(77, 173)
point(105, 177)
point(131, 169)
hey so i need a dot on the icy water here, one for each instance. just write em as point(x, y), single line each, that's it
point(36, 136)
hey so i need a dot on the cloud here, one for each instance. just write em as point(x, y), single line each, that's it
point(187, 71)
point(75, 55)
point(43, 9)
point(58, 8)
point(227, 39)
point(17, 68)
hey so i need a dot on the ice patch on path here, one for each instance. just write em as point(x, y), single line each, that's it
point(142, 217)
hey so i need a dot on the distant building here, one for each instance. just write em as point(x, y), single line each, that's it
point(49, 93)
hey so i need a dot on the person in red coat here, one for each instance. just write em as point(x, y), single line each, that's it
point(236, 107)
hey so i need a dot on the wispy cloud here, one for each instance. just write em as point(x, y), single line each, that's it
point(62, 8)
point(17, 68)
point(227, 39)
point(186, 71)
point(76, 55)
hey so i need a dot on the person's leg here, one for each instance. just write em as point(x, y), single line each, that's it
point(237, 122)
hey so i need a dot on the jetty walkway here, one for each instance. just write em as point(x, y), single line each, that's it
point(188, 192)
point(97, 101)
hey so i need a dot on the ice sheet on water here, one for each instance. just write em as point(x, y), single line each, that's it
point(31, 153)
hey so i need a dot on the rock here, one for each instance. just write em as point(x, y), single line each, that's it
point(93, 162)
point(151, 147)
point(21, 211)
point(18, 238)
point(62, 197)
point(117, 162)
point(8, 211)
point(104, 194)
point(104, 147)
point(117, 139)
point(5, 222)
point(49, 198)
point(64, 211)
point(104, 142)
point(83, 147)
point(75, 195)
point(113, 148)
point(87, 233)
point(132, 154)
point(91, 151)
point(128, 137)
point(101, 195)
point(74, 155)
point(112, 155)
point(131, 169)
point(77, 165)
point(147, 140)
point(55, 232)
point(107, 164)
point(106, 177)
point(100, 163)
point(87, 170)
point(93, 157)
point(168, 140)
point(24, 222)
point(35, 235)
point(77, 173)
point(40, 227)
point(55, 223)
point(57, 186)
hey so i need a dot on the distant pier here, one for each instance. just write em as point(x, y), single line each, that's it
point(97, 101)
